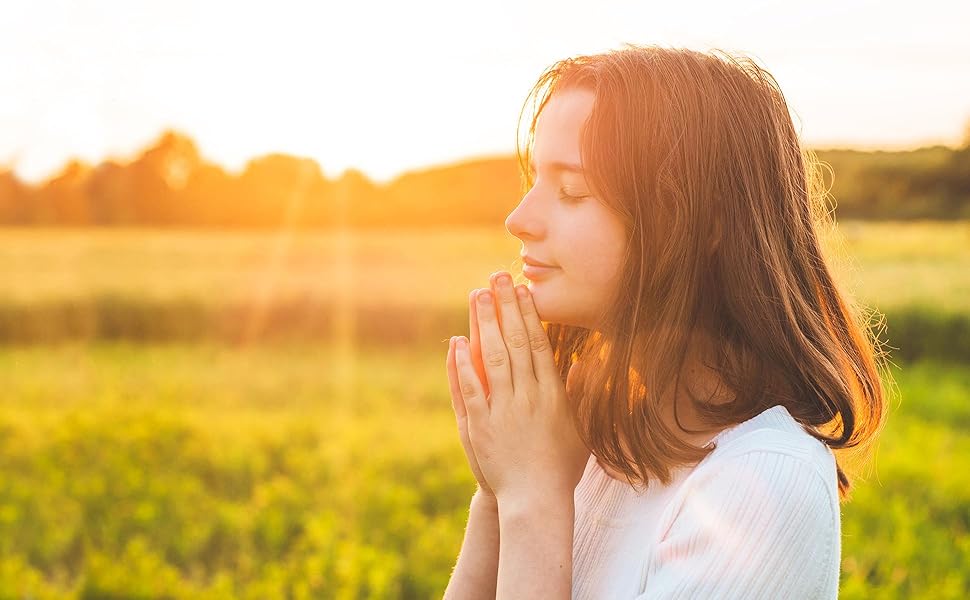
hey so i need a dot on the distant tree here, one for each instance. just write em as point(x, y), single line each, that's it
point(360, 201)
point(957, 177)
point(170, 184)
point(159, 176)
point(206, 193)
point(476, 192)
point(275, 189)
point(63, 199)
point(13, 199)
point(110, 190)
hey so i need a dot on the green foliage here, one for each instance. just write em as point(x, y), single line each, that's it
point(924, 332)
point(238, 415)
point(906, 530)
point(926, 183)
point(203, 471)
point(127, 478)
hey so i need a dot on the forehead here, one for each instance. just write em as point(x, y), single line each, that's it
point(559, 129)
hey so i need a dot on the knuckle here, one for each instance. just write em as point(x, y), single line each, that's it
point(495, 359)
point(539, 341)
point(518, 339)
point(467, 389)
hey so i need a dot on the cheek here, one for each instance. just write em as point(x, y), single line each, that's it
point(598, 262)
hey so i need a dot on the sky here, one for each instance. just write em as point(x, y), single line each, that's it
point(390, 86)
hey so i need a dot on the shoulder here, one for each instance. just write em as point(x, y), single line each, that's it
point(754, 518)
point(769, 486)
point(775, 471)
point(772, 448)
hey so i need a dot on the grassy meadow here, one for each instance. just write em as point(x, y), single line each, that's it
point(328, 465)
point(887, 264)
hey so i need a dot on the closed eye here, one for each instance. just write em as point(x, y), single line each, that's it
point(569, 197)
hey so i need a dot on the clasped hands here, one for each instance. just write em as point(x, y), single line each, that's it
point(510, 403)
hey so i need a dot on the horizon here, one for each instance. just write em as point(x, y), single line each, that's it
point(332, 175)
point(387, 89)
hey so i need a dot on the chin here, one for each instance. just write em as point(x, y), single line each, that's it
point(551, 309)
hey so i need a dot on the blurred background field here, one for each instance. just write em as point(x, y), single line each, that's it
point(206, 414)
point(403, 286)
point(236, 237)
point(407, 267)
point(206, 471)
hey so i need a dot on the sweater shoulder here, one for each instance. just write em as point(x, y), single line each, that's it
point(765, 460)
point(773, 432)
point(793, 442)
point(766, 501)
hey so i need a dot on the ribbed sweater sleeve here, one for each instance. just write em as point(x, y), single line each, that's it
point(761, 524)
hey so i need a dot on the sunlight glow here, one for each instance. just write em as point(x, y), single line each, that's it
point(386, 86)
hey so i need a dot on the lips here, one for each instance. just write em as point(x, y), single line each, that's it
point(536, 263)
point(534, 273)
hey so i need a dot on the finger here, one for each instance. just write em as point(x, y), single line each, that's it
point(457, 402)
point(471, 388)
point(474, 341)
point(495, 355)
point(543, 361)
point(461, 415)
point(513, 331)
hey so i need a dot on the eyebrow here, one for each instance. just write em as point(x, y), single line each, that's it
point(557, 166)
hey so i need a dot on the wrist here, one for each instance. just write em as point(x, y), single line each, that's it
point(524, 507)
point(485, 500)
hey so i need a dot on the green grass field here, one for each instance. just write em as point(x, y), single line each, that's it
point(319, 470)
point(884, 264)
point(209, 472)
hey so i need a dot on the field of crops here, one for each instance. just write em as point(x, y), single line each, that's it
point(325, 469)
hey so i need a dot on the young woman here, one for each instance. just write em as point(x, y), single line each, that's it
point(654, 415)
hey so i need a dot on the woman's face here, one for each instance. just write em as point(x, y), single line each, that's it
point(582, 238)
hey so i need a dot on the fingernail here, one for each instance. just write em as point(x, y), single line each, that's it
point(522, 291)
point(460, 343)
point(485, 297)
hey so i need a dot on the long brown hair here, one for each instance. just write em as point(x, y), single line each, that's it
point(698, 155)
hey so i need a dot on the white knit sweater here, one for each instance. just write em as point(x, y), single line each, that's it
point(757, 518)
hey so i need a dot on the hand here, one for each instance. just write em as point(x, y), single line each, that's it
point(461, 416)
point(521, 431)
point(474, 340)
point(457, 403)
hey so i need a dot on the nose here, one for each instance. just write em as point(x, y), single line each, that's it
point(524, 222)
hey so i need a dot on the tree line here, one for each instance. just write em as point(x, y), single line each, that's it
point(170, 184)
